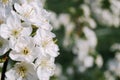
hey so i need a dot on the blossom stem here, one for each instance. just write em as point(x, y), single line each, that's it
point(4, 69)
point(5, 65)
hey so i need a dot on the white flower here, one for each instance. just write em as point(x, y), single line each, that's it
point(22, 71)
point(114, 66)
point(32, 13)
point(24, 50)
point(26, 32)
point(81, 48)
point(5, 12)
point(54, 20)
point(6, 2)
point(14, 29)
point(99, 61)
point(115, 47)
point(88, 61)
point(70, 70)
point(46, 45)
point(45, 67)
point(64, 19)
point(117, 56)
point(68, 31)
point(4, 46)
point(91, 23)
point(25, 11)
point(91, 37)
point(85, 9)
point(107, 17)
point(29, 2)
point(41, 18)
point(109, 75)
point(3, 15)
point(58, 70)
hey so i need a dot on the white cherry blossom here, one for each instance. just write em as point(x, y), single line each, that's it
point(45, 67)
point(45, 43)
point(25, 32)
point(14, 29)
point(22, 71)
point(24, 50)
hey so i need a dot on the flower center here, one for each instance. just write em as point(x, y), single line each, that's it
point(1, 21)
point(29, 1)
point(22, 71)
point(25, 51)
point(15, 33)
point(43, 63)
point(44, 44)
point(5, 1)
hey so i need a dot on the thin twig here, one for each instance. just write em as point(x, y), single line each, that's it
point(6, 56)
point(4, 69)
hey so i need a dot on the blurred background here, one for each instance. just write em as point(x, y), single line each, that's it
point(88, 35)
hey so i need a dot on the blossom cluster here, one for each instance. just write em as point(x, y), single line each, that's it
point(106, 15)
point(25, 32)
point(113, 64)
point(84, 45)
point(82, 28)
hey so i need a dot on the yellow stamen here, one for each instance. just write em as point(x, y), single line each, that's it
point(5, 1)
point(1, 22)
point(16, 32)
point(25, 51)
point(44, 44)
point(22, 71)
point(43, 63)
point(27, 14)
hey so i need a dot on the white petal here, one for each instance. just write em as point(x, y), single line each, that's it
point(18, 8)
point(4, 32)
